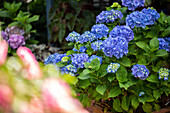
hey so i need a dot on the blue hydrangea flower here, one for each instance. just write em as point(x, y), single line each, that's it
point(167, 39)
point(97, 45)
point(100, 30)
point(108, 16)
point(74, 49)
point(87, 36)
point(83, 49)
point(94, 57)
point(123, 31)
point(73, 36)
point(49, 60)
point(79, 59)
point(140, 71)
point(163, 73)
point(133, 4)
point(163, 44)
point(54, 58)
point(117, 47)
point(136, 19)
point(141, 94)
point(151, 16)
point(70, 69)
point(112, 67)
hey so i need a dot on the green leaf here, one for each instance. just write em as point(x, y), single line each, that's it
point(166, 32)
point(83, 76)
point(33, 19)
point(101, 89)
point(157, 107)
point(95, 64)
point(142, 99)
point(70, 52)
point(5, 14)
point(154, 44)
point(127, 84)
point(121, 74)
point(153, 78)
point(70, 79)
point(102, 70)
point(116, 105)
point(115, 92)
point(161, 53)
point(151, 34)
point(84, 83)
point(125, 61)
point(135, 102)
point(147, 108)
point(156, 93)
point(86, 71)
point(13, 24)
point(143, 45)
point(111, 77)
point(125, 104)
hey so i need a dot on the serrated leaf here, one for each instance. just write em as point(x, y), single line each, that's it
point(142, 99)
point(147, 108)
point(101, 89)
point(116, 105)
point(115, 92)
point(83, 76)
point(161, 53)
point(121, 74)
point(157, 107)
point(153, 78)
point(102, 70)
point(84, 83)
point(86, 71)
point(154, 44)
point(143, 45)
point(70, 79)
point(33, 19)
point(125, 61)
point(95, 64)
point(124, 103)
point(135, 102)
point(111, 78)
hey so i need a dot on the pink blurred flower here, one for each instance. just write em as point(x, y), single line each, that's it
point(3, 51)
point(56, 95)
point(6, 97)
point(30, 62)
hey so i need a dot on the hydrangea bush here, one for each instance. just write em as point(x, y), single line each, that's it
point(124, 61)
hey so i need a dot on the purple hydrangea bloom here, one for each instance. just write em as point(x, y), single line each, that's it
point(83, 49)
point(100, 30)
point(123, 31)
point(15, 41)
point(4, 35)
point(117, 47)
point(151, 16)
point(73, 36)
point(87, 36)
point(136, 19)
point(94, 57)
point(133, 4)
point(97, 45)
point(112, 67)
point(79, 59)
point(164, 73)
point(140, 71)
point(163, 44)
point(108, 16)
point(70, 69)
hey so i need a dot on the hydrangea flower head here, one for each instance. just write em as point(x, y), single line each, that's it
point(49, 60)
point(112, 67)
point(163, 73)
point(4, 35)
point(141, 94)
point(140, 71)
point(117, 47)
point(163, 44)
point(94, 57)
point(15, 41)
point(79, 59)
point(58, 57)
point(133, 4)
point(83, 49)
point(70, 69)
point(65, 59)
point(108, 16)
point(136, 19)
point(123, 31)
point(73, 36)
point(97, 45)
point(151, 16)
point(87, 36)
point(100, 30)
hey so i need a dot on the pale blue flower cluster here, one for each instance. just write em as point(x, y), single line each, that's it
point(54, 58)
point(163, 44)
point(87, 36)
point(133, 4)
point(82, 49)
point(141, 94)
point(143, 18)
point(100, 30)
point(112, 67)
point(117, 47)
point(97, 45)
point(70, 69)
point(94, 57)
point(109, 16)
point(140, 71)
point(123, 31)
point(73, 36)
point(163, 73)
point(79, 59)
